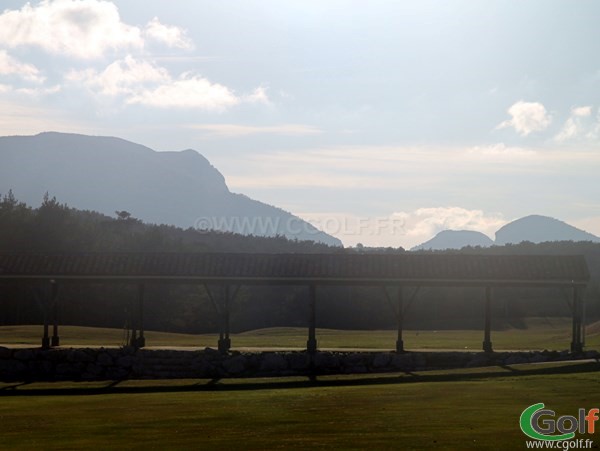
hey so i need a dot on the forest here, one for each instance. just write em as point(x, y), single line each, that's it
point(56, 227)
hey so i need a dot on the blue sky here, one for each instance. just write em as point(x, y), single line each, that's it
point(383, 122)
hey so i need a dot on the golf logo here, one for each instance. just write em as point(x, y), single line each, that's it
point(542, 424)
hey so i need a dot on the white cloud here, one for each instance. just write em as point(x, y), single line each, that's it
point(188, 91)
point(142, 82)
point(167, 34)
point(407, 229)
point(581, 111)
point(527, 117)
point(424, 223)
point(125, 76)
point(568, 131)
point(83, 29)
point(575, 125)
point(259, 95)
point(11, 66)
point(234, 130)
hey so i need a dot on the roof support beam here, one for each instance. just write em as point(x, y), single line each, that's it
point(222, 306)
point(399, 311)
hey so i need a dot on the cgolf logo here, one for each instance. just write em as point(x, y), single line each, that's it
point(540, 424)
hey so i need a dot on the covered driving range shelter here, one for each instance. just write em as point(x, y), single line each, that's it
point(222, 274)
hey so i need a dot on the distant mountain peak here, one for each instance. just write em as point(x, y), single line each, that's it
point(455, 239)
point(538, 229)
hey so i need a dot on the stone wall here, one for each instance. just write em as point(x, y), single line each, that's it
point(129, 363)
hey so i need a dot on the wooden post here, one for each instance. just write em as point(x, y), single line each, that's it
point(226, 313)
point(45, 307)
point(487, 341)
point(133, 323)
point(141, 340)
point(576, 343)
point(311, 344)
point(399, 340)
point(54, 302)
point(224, 340)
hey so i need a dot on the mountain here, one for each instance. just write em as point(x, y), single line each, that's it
point(108, 174)
point(538, 229)
point(455, 239)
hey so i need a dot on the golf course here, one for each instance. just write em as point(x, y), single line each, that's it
point(476, 408)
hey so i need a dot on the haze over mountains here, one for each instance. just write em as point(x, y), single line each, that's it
point(533, 228)
point(106, 174)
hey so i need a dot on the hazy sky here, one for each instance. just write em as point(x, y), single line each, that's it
point(381, 121)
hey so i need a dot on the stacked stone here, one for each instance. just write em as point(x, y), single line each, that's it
point(130, 363)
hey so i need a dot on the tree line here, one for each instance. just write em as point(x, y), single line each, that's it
point(56, 227)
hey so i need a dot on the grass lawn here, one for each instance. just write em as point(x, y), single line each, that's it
point(540, 333)
point(460, 409)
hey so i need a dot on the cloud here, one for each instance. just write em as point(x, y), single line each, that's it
point(424, 223)
point(407, 229)
point(575, 125)
point(124, 76)
point(259, 95)
point(188, 91)
point(81, 29)
point(141, 82)
point(170, 35)
point(234, 130)
point(582, 111)
point(90, 29)
point(527, 117)
point(11, 66)
point(568, 131)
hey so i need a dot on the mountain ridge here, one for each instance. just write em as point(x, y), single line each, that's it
point(180, 188)
point(538, 228)
point(532, 228)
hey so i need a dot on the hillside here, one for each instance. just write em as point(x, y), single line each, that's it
point(538, 229)
point(106, 174)
point(533, 229)
point(455, 239)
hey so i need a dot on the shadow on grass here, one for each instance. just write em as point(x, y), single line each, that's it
point(310, 381)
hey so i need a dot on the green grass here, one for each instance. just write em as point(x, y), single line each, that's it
point(540, 333)
point(466, 409)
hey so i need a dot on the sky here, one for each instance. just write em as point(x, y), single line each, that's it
point(381, 122)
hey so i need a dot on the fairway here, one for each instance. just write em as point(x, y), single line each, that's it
point(461, 409)
point(537, 334)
